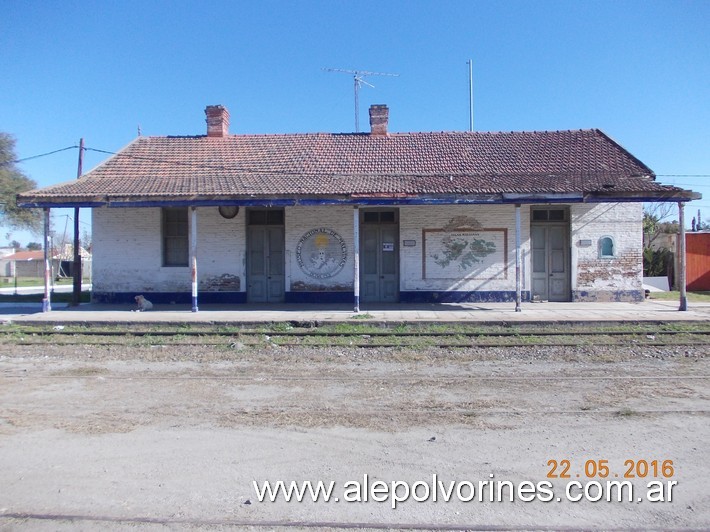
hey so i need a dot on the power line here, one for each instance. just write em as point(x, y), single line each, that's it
point(37, 156)
point(683, 175)
point(236, 167)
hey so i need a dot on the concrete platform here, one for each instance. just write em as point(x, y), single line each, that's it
point(496, 313)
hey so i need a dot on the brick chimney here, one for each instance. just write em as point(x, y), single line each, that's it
point(217, 121)
point(379, 117)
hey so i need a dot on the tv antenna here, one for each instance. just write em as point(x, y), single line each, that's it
point(358, 82)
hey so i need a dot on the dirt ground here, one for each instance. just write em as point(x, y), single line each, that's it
point(156, 436)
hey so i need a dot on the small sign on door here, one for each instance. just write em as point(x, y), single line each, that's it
point(387, 246)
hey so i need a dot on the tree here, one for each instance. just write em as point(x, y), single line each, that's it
point(12, 182)
point(86, 240)
point(15, 244)
point(657, 260)
point(653, 224)
point(34, 246)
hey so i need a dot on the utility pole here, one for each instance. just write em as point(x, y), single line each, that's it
point(76, 268)
point(358, 81)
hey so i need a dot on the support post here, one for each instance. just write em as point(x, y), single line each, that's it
point(470, 94)
point(46, 300)
point(681, 251)
point(356, 258)
point(518, 296)
point(76, 267)
point(193, 256)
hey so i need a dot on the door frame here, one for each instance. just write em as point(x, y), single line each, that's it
point(561, 218)
point(364, 212)
point(248, 225)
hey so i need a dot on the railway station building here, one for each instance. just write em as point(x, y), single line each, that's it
point(375, 217)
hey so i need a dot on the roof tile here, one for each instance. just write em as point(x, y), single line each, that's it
point(576, 161)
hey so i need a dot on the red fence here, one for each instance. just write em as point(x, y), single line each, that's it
point(697, 256)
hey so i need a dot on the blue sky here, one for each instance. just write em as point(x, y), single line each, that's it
point(638, 70)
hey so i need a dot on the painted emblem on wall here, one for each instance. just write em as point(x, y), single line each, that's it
point(321, 253)
point(465, 253)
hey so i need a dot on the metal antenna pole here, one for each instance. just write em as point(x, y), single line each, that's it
point(357, 104)
point(470, 96)
point(358, 81)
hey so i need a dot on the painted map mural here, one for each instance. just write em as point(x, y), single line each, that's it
point(465, 253)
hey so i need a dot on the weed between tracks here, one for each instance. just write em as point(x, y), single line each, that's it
point(351, 334)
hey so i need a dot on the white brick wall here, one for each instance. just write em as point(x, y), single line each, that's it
point(127, 248)
point(414, 218)
point(622, 222)
point(221, 249)
point(299, 220)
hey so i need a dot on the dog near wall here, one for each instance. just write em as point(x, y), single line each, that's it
point(143, 304)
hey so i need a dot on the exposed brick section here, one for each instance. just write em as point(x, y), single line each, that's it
point(379, 119)
point(220, 283)
point(607, 279)
point(217, 121)
point(625, 266)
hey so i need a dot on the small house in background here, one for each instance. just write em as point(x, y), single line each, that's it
point(6, 266)
point(30, 264)
point(380, 217)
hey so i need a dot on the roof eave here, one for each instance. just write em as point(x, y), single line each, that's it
point(657, 196)
point(38, 201)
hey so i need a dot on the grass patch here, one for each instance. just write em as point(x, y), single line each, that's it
point(350, 328)
point(698, 297)
point(365, 316)
point(34, 281)
point(57, 297)
point(353, 333)
point(626, 412)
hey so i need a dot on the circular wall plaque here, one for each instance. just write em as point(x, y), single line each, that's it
point(321, 253)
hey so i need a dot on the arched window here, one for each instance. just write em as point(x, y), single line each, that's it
point(606, 247)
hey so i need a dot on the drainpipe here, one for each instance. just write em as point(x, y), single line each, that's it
point(46, 300)
point(356, 258)
point(681, 252)
point(517, 259)
point(193, 257)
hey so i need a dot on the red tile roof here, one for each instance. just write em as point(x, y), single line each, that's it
point(357, 165)
point(26, 255)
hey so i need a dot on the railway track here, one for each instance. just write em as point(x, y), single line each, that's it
point(360, 339)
